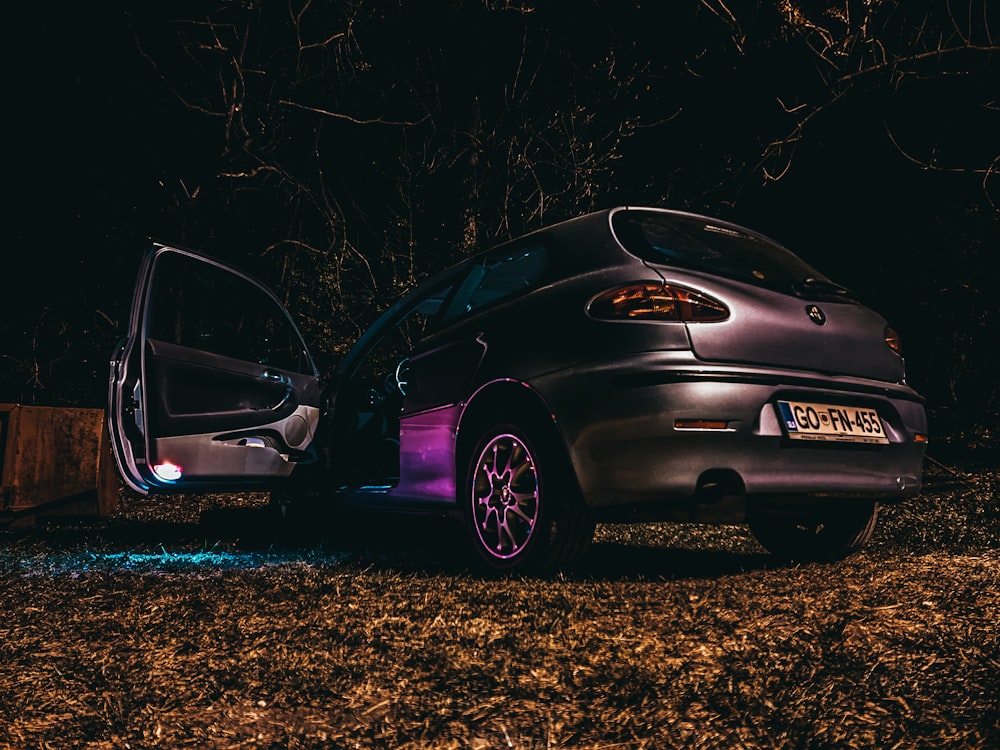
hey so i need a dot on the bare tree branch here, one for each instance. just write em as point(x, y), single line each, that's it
point(355, 120)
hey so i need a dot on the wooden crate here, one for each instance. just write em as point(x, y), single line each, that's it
point(55, 459)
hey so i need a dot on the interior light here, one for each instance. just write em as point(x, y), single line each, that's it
point(167, 472)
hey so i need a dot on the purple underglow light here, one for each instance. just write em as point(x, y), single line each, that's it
point(167, 471)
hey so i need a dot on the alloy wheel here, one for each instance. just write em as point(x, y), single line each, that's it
point(505, 497)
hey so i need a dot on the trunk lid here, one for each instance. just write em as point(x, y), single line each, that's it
point(777, 330)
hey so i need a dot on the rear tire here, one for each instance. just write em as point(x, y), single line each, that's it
point(821, 533)
point(523, 508)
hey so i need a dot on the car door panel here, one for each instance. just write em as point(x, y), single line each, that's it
point(197, 391)
point(212, 385)
point(228, 457)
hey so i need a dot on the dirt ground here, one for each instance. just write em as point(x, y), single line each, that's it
point(154, 629)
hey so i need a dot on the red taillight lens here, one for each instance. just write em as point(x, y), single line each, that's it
point(657, 302)
point(892, 341)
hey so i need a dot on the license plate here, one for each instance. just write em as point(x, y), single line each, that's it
point(842, 424)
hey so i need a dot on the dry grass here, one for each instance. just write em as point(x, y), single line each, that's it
point(147, 631)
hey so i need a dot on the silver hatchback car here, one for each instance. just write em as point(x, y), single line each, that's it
point(633, 364)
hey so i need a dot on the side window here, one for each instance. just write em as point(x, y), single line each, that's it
point(499, 277)
point(396, 341)
point(198, 305)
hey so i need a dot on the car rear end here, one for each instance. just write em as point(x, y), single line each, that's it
point(781, 387)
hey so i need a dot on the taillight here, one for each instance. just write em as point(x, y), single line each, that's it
point(892, 341)
point(657, 302)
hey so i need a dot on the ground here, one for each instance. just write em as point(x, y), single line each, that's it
point(153, 629)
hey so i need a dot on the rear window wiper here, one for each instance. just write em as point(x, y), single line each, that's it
point(812, 285)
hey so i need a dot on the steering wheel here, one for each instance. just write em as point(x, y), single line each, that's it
point(401, 377)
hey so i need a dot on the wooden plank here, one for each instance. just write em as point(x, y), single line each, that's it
point(51, 454)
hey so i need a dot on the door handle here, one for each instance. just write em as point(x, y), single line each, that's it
point(275, 377)
point(278, 379)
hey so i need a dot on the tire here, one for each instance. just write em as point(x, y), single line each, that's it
point(522, 506)
point(820, 533)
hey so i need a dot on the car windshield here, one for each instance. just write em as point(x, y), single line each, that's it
point(700, 244)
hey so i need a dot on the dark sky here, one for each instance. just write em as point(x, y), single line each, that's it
point(76, 139)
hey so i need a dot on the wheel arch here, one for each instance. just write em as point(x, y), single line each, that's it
point(511, 401)
point(566, 524)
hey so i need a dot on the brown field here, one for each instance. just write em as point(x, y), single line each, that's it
point(150, 630)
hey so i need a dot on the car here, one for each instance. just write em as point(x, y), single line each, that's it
point(634, 364)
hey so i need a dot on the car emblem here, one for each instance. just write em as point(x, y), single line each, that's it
point(816, 315)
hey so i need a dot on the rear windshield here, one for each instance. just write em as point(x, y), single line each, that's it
point(698, 244)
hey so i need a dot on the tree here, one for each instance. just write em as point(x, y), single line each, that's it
point(344, 150)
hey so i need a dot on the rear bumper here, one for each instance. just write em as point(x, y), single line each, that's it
point(620, 425)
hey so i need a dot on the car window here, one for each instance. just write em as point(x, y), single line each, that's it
point(701, 245)
point(397, 337)
point(199, 305)
point(498, 277)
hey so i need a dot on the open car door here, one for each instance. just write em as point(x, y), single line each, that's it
point(212, 386)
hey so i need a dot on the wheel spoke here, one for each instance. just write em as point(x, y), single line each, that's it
point(504, 534)
point(518, 510)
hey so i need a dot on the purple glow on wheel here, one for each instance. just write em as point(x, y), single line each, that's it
point(505, 497)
